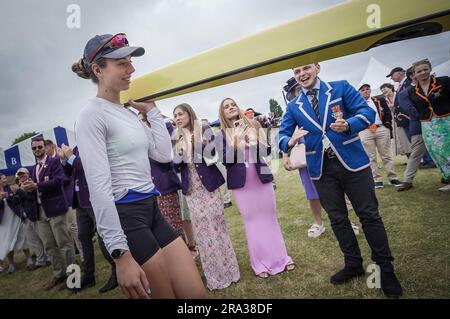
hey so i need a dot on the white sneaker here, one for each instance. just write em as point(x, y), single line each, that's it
point(355, 228)
point(316, 230)
point(445, 188)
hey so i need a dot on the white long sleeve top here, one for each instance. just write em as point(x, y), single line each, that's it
point(114, 148)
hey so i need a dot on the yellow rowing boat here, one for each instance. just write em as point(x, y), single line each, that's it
point(350, 27)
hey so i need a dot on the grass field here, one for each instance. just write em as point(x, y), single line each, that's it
point(417, 224)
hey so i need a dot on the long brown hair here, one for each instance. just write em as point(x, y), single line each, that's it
point(194, 126)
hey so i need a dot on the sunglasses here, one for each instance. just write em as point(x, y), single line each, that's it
point(37, 147)
point(117, 41)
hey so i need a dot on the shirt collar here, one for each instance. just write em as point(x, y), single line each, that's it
point(43, 160)
point(316, 86)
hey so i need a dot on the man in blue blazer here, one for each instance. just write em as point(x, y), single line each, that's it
point(331, 115)
point(48, 178)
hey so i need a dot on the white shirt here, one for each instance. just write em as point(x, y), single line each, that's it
point(115, 148)
point(374, 107)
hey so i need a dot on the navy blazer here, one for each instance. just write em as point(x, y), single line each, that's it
point(79, 188)
point(232, 158)
point(52, 194)
point(383, 111)
point(14, 205)
point(436, 103)
point(401, 121)
point(406, 106)
point(28, 201)
point(209, 175)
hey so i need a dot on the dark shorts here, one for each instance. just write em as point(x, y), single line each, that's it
point(145, 227)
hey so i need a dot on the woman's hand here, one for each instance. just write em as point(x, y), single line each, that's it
point(60, 154)
point(29, 186)
point(68, 152)
point(238, 134)
point(297, 136)
point(286, 162)
point(402, 116)
point(14, 188)
point(181, 146)
point(131, 278)
point(142, 106)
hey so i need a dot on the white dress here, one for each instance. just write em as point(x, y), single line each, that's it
point(12, 233)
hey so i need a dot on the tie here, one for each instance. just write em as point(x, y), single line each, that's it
point(314, 102)
point(38, 171)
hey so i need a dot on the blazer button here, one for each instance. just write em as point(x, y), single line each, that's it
point(201, 176)
point(196, 165)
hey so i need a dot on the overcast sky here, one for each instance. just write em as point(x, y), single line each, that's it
point(38, 90)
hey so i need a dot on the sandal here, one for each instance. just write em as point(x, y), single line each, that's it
point(263, 275)
point(290, 267)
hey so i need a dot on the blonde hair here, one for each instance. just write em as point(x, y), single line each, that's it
point(421, 62)
point(226, 124)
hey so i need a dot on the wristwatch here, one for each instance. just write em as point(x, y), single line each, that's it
point(117, 253)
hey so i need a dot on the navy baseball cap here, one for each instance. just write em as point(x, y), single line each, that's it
point(396, 69)
point(109, 46)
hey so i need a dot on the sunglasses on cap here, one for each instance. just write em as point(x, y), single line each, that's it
point(39, 147)
point(117, 41)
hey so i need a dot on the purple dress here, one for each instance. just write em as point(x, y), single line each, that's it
point(256, 203)
point(310, 189)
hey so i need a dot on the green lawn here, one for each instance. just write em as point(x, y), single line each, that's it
point(417, 224)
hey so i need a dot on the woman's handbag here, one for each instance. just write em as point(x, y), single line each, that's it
point(297, 157)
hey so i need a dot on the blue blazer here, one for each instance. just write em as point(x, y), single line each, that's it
point(333, 97)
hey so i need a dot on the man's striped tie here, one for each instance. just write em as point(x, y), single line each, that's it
point(314, 102)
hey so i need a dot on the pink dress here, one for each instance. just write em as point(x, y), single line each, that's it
point(256, 202)
point(217, 255)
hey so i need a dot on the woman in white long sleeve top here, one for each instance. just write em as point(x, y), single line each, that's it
point(114, 148)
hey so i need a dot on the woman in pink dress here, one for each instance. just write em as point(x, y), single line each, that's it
point(250, 178)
